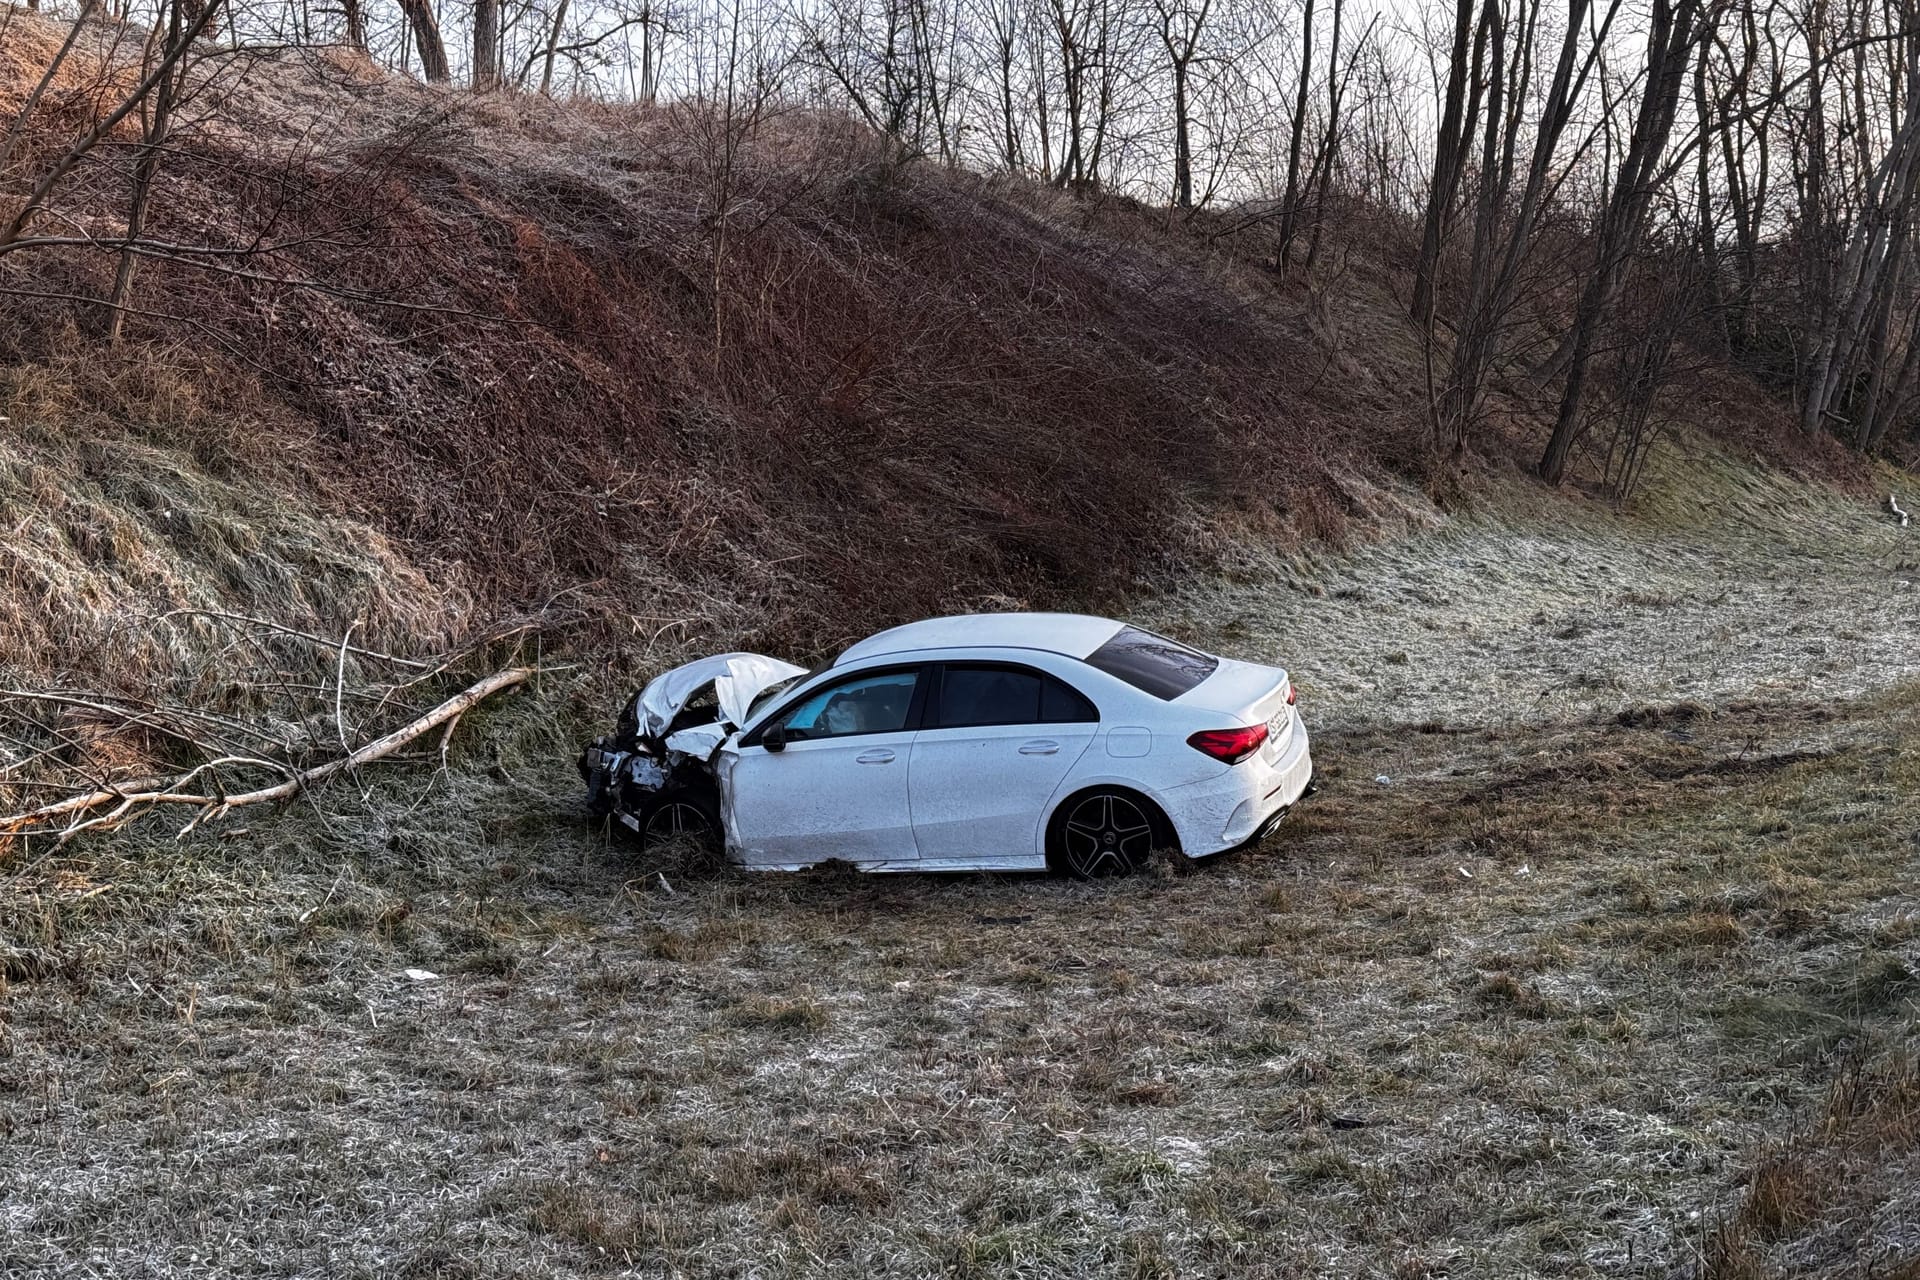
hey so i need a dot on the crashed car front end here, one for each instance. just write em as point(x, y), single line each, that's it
point(653, 775)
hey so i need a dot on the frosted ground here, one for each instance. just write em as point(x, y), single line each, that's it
point(1639, 885)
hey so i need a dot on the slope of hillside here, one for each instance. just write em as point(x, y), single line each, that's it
point(572, 357)
point(463, 358)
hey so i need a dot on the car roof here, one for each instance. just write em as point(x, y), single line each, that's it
point(1074, 635)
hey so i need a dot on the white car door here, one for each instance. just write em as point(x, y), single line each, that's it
point(996, 742)
point(834, 784)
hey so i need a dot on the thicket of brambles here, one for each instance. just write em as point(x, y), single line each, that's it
point(1592, 195)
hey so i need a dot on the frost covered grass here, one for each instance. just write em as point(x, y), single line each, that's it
point(1722, 580)
point(128, 505)
point(1568, 994)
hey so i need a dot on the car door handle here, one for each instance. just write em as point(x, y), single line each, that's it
point(1039, 747)
point(874, 755)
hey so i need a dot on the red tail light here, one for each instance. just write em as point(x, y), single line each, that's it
point(1229, 746)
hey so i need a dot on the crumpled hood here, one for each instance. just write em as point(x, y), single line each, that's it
point(737, 679)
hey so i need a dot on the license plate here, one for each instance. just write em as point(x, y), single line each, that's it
point(1277, 732)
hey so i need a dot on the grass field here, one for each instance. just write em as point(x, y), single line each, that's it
point(1625, 983)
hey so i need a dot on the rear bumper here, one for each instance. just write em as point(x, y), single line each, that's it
point(1273, 820)
point(1245, 803)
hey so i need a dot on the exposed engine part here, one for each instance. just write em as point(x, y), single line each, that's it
point(612, 775)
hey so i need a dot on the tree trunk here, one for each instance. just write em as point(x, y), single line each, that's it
point(1877, 354)
point(1182, 153)
point(1448, 161)
point(144, 171)
point(1290, 207)
point(1490, 288)
point(1668, 43)
point(1010, 140)
point(1902, 391)
point(1707, 234)
point(356, 18)
point(553, 48)
point(486, 44)
point(1320, 176)
point(426, 39)
point(1862, 268)
point(1456, 408)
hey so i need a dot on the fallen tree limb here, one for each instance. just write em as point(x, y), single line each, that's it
point(79, 812)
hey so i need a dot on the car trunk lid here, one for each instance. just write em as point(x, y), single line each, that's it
point(1245, 691)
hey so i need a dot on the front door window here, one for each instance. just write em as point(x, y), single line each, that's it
point(869, 704)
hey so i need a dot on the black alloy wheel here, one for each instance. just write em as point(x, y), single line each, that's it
point(1107, 833)
point(680, 819)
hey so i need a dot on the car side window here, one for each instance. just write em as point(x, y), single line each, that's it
point(1061, 703)
point(976, 696)
point(865, 704)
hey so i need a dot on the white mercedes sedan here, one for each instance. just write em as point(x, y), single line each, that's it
point(1002, 741)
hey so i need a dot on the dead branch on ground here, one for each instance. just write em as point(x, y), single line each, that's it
point(109, 806)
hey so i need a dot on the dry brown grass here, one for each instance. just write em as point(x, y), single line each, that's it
point(103, 534)
point(897, 390)
point(1821, 1200)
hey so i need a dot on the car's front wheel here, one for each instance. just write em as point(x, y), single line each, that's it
point(1105, 833)
point(685, 818)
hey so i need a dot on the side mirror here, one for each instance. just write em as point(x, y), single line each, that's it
point(775, 739)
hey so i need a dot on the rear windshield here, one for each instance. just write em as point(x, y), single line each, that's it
point(1154, 664)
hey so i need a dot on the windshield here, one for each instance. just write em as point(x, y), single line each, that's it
point(771, 692)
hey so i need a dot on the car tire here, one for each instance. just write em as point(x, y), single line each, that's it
point(1108, 831)
point(681, 814)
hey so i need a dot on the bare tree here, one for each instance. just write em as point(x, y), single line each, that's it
point(1290, 203)
point(1676, 29)
point(156, 113)
point(486, 44)
point(1503, 234)
point(1464, 86)
point(1871, 256)
point(1180, 25)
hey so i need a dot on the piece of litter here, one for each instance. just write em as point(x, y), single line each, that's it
point(1383, 780)
point(1524, 870)
point(421, 975)
point(1463, 871)
point(663, 882)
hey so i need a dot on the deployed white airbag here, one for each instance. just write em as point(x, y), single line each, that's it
point(700, 742)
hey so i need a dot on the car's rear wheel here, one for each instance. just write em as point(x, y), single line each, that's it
point(1109, 832)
